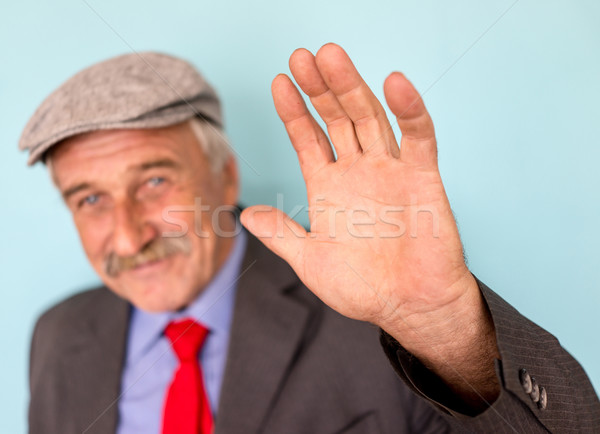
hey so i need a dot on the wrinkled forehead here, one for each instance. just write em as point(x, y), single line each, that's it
point(101, 153)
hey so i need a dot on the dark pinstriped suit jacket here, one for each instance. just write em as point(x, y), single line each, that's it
point(295, 366)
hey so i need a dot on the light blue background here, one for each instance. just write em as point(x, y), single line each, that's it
point(515, 107)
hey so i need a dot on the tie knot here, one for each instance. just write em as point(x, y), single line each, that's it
point(187, 337)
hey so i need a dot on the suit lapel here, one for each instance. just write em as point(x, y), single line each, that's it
point(95, 362)
point(267, 330)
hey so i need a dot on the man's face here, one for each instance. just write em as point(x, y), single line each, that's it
point(120, 185)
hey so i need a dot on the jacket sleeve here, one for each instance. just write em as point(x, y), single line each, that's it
point(543, 388)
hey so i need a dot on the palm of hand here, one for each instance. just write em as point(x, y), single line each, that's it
point(383, 244)
point(382, 241)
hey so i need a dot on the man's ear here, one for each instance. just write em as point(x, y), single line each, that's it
point(231, 183)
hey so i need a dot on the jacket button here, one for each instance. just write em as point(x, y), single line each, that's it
point(535, 390)
point(543, 402)
point(525, 380)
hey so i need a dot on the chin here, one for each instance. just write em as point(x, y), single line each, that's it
point(157, 305)
point(152, 298)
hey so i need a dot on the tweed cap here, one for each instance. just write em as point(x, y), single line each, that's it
point(137, 90)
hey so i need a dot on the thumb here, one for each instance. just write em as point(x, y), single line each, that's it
point(280, 233)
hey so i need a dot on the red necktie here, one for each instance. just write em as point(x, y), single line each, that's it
point(187, 410)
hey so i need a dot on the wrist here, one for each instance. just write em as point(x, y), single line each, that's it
point(441, 322)
point(456, 341)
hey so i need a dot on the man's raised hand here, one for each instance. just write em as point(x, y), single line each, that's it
point(383, 245)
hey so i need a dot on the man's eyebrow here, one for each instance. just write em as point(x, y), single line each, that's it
point(165, 162)
point(75, 189)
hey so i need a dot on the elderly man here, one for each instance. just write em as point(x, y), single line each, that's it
point(202, 329)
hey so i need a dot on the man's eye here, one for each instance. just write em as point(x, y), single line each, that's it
point(155, 181)
point(92, 199)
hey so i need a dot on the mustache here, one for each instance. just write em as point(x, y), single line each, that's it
point(155, 250)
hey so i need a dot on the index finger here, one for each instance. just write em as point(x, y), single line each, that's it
point(310, 142)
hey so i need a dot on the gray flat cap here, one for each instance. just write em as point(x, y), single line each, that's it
point(145, 90)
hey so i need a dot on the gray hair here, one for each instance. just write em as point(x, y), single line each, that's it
point(212, 140)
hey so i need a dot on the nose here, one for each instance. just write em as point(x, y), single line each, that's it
point(131, 229)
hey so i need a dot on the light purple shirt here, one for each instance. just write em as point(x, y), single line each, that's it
point(150, 362)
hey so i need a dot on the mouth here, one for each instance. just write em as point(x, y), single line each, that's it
point(148, 267)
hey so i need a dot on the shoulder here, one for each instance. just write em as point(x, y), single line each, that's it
point(78, 307)
point(74, 343)
point(57, 327)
